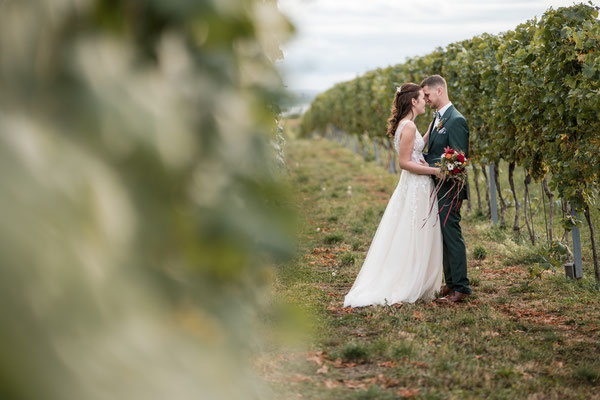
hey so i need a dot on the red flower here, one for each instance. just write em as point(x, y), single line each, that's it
point(448, 150)
point(460, 158)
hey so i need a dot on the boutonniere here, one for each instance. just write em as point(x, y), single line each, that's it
point(440, 124)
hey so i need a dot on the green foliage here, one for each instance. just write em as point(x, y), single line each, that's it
point(353, 351)
point(356, 245)
point(374, 393)
point(401, 350)
point(466, 320)
point(348, 259)
point(530, 96)
point(302, 179)
point(524, 256)
point(479, 252)
point(496, 233)
point(356, 228)
point(506, 372)
point(587, 374)
point(548, 257)
point(569, 221)
point(555, 255)
point(333, 238)
point(368, 214)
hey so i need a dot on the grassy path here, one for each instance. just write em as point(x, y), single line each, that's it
point(517, 337)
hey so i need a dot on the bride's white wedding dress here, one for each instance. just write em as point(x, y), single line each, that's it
point(404, 261)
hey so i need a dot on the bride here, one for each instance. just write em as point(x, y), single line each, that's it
point(404, 261)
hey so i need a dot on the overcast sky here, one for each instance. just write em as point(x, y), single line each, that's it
point(336, 40)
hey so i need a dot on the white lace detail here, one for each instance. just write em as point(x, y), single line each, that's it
point(414, 185)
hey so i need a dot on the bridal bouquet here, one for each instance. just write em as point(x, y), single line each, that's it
point(453, 168)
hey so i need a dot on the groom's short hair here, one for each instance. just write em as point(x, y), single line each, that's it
point(435, 81)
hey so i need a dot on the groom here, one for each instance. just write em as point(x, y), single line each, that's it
point(449, 128)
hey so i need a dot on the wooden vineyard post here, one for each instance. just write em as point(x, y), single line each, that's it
point(588, 217)
point(493, 203)
point(476, 179)
point(575, 235)
point(487, 191)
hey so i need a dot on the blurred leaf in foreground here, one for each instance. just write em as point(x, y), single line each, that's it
point(139, 196)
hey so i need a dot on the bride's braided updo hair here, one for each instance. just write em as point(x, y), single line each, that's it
point(402, 105)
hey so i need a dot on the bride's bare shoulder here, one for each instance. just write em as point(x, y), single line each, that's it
point(407, 125)
point(410, 125)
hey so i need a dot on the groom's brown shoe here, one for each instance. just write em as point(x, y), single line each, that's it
point(455, 297)
point(445, 291)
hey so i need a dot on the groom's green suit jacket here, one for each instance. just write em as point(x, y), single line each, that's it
point(452, 132)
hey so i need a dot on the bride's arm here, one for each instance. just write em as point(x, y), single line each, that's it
point(407, 141)
point(428, 132)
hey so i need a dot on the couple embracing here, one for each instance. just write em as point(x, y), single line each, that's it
point(410, 249)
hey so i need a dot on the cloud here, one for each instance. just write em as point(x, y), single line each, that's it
point(338, 40)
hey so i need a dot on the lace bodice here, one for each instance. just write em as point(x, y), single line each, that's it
point(419, 145)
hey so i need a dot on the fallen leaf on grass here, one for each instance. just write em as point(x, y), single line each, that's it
point(389, 364)
point(536, 316)
point(329, 384)
point(317, 357)
point(377, 380)
point(386, 382)
point(491, 333)
point(419, 364)
point(408, 393)
point(418, 315)
point(323, 370)
point(339, 364)
point(354, 384)
point(299, 378)
point(406, 335)
point(333, 308)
